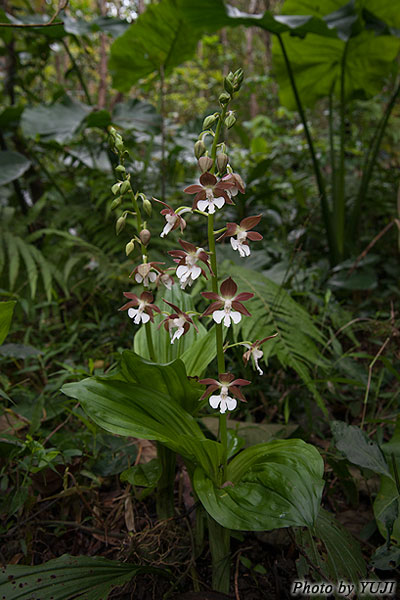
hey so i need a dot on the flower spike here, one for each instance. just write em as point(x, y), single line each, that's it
point(227, 306)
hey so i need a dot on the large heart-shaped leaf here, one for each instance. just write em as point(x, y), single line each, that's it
point(85, 577)
point(12, 166)
point(160, 38)
point(58, 121)
point(278, 484)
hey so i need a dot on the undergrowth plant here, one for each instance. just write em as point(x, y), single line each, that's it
point(158, 391)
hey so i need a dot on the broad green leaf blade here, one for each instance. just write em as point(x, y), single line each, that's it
point(274, 311)
point(340, 558)
point(146, 475)
point(160, 38)
point(136, 115)
point(6, 312)
point(273, 485)
point(12, 166)
point(358, 448)
point(55, 122)
point(168, 379)
point(251, 433)
point(67, 577)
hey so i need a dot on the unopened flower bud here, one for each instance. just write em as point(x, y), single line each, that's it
point(199, 149)
point(222, 162)
point(147, 207)
point(116, 202)
point(145, 236)
point(205, 163)
point(120, 224)
point(228, 86)
point(125, 187)
point(129, 247)
point(237, 79)
point(224, 98)
point(209, 121)
point(230, 120)
point(120, 169)
point(115, 188)
point(119, 144)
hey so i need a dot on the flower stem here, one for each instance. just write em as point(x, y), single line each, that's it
point(149, 340)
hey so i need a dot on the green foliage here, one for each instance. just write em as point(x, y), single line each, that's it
point(6, 312)
point(159, 40)
point(84, 577)
point(278, 484)
point(12, 166)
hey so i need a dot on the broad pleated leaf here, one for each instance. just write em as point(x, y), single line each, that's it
point(274, 311)
point(66, 577)
point(58, 121)
point(278, 484)
point(12, 166)
point(160, 38)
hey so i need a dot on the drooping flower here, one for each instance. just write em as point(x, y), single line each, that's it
point(255, 353)
point(227, 306)
point(226, 384)
point(237, 183)
point(242, 234)
point(178, 320)
point(211, 194)
point(188, 270)
point(145, 307)
point(165, 278)
point(173, 219)
point(146, 273)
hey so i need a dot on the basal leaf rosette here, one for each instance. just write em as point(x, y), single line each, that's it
point(272, 485)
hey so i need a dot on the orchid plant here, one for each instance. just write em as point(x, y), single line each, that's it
point(261, 487)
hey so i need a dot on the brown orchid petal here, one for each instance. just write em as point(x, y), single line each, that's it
point(210, 309)
point(164, 203)
point(178, 310)
point(259, 343)
point(154, 307)
point(177, 254)
point(187, 246)
point(228, 288)
point(208, 179)
point(166, 211)
point(235, 391)
point(208, 381)
point(181, 223)
point(246, 356)
point(227, 198)
point(129, 305)
point(209, 391)
point(210, 295)
point(193, 189)
point(241, 382)
point(243, 296)
point(240, 308)
point(254, 236)
point(250, 222)
point(131, 296)
point(186, 328)
point(146, 297)
point(226, 377)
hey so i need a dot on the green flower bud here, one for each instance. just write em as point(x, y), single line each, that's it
point(230, 120)
point(120, 169)
point(222, 162)
point(120, 224)
point(116, 202)
point(224, 98)
point(129, 247)
point(147, 207)
point(119, 144)
point(115, 188)
point(125, 187)
point(199, 149)
point(228, 86)
point(237, 79)
point(209, 121)
point(205, 163)
point(145, 236)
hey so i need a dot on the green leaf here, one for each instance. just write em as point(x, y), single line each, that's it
point(6, 312)
point(333, 549)
point(273, 485)
point(13, 255)
point(358, 448)
point(317, 61)
point(12, 166)
point(146, 475)
point(160, 38)
point(251, 433)
point(136, 115)
point(58, 121)
point(18, 350)
point(66, 577)
point(274, 311)
point(31, 269)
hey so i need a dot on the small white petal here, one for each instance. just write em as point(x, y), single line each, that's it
point(227, 319)
point(203, 205)
point(166, 230)
point(138, 278)
point(137, 319)
point(145, 317)
point(195, 271)
point(132, 312)
point(223, 406)
point(180, 331)
point(234, 243)
point(152, 276)
point(261, 372)
point(214, 401)
point(182, 270)
point(219, 202)
point(231, 403)
point(211, 208)
point(235, 316)
point(218, 315)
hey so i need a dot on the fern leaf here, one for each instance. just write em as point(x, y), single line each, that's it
point(273, 310)
point(31, 269)
point(13, 256)
point(45, 271)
